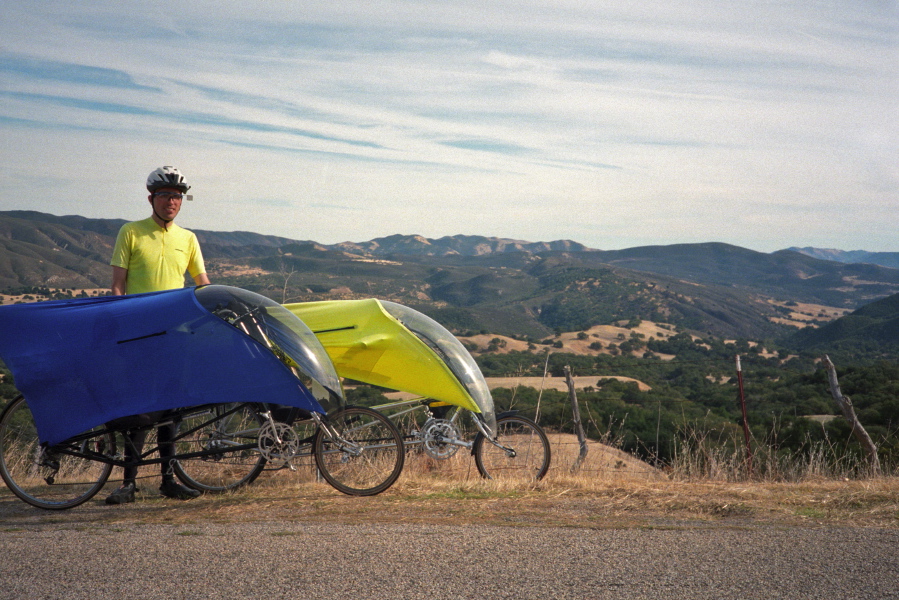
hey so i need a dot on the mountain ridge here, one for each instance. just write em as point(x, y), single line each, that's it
point(884, 259)
point(481, 283)
point(459, 244)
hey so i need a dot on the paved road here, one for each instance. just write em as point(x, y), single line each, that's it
point(323, 561)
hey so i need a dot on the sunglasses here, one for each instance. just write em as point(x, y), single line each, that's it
point(173, 196)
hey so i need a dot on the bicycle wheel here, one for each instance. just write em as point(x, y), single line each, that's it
point(226, 431)
point(525, 454)
point(367, 456)
point(49, 478)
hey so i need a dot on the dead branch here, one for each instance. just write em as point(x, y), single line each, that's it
point(578, 426)
point(845, 404)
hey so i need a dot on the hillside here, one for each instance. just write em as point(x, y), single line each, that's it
point(873, 327)
point(474, 284)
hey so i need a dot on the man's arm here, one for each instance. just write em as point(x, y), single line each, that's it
point(201, 279)
point(119, 279)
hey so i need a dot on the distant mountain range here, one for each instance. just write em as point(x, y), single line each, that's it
point(884, 259)
point(461, 245)
point(475, 283)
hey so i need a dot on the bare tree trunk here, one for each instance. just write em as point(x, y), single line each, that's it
point(845, 404)
point(287, 277)
point(578, 427)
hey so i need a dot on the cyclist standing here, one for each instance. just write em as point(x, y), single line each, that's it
point(150, 256)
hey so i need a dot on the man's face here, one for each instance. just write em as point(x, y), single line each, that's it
point(166, 203)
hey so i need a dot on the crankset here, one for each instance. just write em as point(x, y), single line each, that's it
point(437, 436)
point(278, 443)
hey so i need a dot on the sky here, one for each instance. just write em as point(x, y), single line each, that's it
point(763, 124)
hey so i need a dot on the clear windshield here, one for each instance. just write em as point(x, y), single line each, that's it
point(453, 353)
point(280, 331)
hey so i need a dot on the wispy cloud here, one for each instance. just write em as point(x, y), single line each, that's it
point(65, 72)
point(79, 103)
point(760, 124)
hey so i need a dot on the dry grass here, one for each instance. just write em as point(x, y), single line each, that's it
point(562, 499)
point(612, 490)
point(559, 384)
point(571, 343)
point(7, 299)
point(802, 314)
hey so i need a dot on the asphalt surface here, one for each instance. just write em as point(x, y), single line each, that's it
point(64, 560)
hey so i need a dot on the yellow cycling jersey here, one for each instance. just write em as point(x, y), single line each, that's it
point(156, 258)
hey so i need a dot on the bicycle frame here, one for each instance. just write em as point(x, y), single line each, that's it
point(424, 404)
point(220, 447)
point(518, 450)
point(224, 445)
point(117, 460)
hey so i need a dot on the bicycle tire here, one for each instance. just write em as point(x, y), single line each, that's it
point(49, 479)
point(532, 454)
point(380, 457)
point(222, 471)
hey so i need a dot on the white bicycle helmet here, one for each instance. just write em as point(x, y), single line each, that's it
point(166, 177)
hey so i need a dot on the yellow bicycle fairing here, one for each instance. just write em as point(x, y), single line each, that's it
point(367, 344)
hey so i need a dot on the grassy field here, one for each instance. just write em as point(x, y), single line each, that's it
point(611, 491)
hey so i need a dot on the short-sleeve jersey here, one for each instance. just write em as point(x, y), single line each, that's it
point(156, 257)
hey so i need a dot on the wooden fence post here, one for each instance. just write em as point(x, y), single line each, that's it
point(746, 435)
point(845, 404)
point(578, 426)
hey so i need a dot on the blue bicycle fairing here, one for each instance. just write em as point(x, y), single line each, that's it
point(80, 363)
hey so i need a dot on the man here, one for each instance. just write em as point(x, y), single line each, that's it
point(150, 256)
